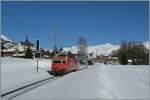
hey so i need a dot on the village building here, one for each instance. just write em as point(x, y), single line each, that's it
point(8, 52)
point(107, 59)
point(26, 43)
point(130, 62)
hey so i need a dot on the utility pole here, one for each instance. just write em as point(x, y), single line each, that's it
point(37, 53)
point(37, 67)
point(38, 42)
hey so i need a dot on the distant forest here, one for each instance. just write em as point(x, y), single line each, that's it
point(135, 51)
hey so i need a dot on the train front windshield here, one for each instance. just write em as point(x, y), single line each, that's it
point(63, 62)
point(59, 61)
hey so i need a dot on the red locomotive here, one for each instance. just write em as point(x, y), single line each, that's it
point(64, 63)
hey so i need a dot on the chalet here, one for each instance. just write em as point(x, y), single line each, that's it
point(8, 52)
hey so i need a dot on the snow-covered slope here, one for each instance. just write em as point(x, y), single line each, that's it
point(104, 49)
point(146, 44)
point(5, 38)
point(101, 49)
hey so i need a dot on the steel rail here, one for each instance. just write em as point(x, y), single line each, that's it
point(11, 94)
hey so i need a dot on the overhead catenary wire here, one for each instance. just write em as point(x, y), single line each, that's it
point(24, 25)
point(28, 27)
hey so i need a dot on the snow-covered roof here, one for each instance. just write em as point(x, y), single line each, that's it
point(5, 38)
point(20, 48)
point(9, 50)
point(18, 54)
point(115, 57)
point(130, 61)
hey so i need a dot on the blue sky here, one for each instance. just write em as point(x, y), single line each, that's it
point(99, 22)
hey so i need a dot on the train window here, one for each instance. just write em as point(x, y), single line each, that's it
point(63, 61)
point(57, 61)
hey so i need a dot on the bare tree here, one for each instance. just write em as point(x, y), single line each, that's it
point(82, 48)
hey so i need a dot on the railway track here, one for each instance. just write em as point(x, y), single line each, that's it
point(12, 94)
point(83, 68)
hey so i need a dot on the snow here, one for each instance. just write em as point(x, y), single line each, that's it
point(20, 48)
point(17, 72)
point(130, 61)
point(102, 49)
point(98, 81)
point(131, 81)
point(10, 50)
point(146, 44)
point(5, 38)
point(18, 55)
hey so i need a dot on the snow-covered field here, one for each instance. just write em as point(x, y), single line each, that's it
point(95, 82)
point(17, 72)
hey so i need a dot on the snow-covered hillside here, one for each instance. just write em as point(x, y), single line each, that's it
point(5, 38)
point(12, 45)
point(101, 49)
point(104, 49)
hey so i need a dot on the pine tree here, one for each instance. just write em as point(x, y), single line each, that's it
point(2, 46)
point(124, 60)
point(28, 53)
